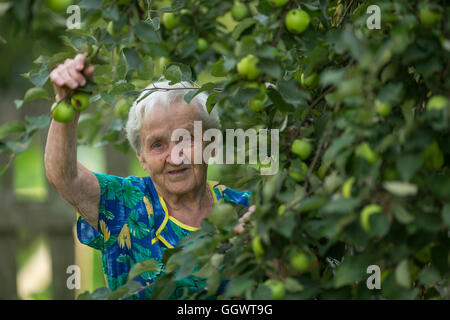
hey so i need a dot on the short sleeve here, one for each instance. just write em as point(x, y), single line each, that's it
point(111, 213)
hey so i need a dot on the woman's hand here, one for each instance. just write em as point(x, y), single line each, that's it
point(240, 227)
point(70, 75)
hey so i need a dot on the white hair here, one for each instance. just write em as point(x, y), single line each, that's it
point(143, 105)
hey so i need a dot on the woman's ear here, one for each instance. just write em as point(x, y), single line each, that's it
point(141, 160)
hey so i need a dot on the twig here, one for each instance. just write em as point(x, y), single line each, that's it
point(345, 14)
point(169, 89)
point(314, 103)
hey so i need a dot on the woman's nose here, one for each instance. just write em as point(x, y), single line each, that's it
point(176, 154)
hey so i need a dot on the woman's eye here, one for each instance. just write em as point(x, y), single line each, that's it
point(156, 145)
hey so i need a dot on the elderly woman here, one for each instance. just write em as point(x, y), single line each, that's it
point(133, 219)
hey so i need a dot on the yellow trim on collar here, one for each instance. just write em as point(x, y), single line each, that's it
point(182, 225)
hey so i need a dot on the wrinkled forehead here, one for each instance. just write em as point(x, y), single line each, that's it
point(176, 115)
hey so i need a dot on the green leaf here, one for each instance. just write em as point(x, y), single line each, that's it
point(36, 123)
point(446, 214)
point(400, 188)
point(141, 267)
point(217, 70)
point(11, 127)
point(173, 74)
point(408, 164)
point(241, 27)
point(351, 270)
point(401, 214)
point(292, 92)
point(402, 274)
point(90, 4)
point(122, 66)
point(121, 88)
point(35, 94)
point(145, 32)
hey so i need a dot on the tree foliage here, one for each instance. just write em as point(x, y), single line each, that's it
point(312, 233)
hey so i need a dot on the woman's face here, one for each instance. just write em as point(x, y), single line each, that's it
point(155, 155)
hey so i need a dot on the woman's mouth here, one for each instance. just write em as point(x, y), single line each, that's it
point(178, 172)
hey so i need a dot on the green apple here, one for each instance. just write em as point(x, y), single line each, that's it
point(297, 21)
point(298, 170)
point(170, 20)
point(437, 102)
point(63, 112)
point(278, 3)
point(382, 108)
point(258, 101)
point(222, 214)
point(311, 81)
point(366, 213)
point(300, 261)
point(257, 247)
point(365, 151)
point(347, 187)
point(202, 44)
point(301, 148)
point(80, 101)
point(163, 62)
point(433, 158)
point(58, 5)
point(277, 288)
point(428, 17)
point(239, 11)
point(110, 29)
point(246, 67)
point(122, 108)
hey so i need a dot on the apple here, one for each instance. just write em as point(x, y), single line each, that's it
point(257, 247)
point(122, 108)
point(202, 44)
point(247, 67)
point(298, 170)
point(278, 3)
point(347, 187)
point(80, 100)
point(301, 148)
point(310, 81)
point(428, 17)
point(437, 102)
point(239, 11)
point(300, 261)
point(277, 288)
point(222, 214)
point(163, 61)
point(170, 20)
point(382, 108)
point(257, 103)
point(297, 21)
point(365, 151)
point(432, 157)
point(110, 29)
point(63, 112)
point(281, 209)
point(58, 5)
point(366, 213)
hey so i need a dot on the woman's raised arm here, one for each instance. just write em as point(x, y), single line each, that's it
point(76, 184)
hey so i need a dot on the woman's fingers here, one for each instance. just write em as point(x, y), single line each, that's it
point(240, 227)
point(72, 73)
point(89, 71)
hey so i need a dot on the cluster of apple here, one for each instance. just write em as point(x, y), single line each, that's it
point(63, 111)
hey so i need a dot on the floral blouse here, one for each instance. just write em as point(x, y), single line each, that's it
point(134, 226)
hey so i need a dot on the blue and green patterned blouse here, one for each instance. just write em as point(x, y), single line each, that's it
point(134, 225)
